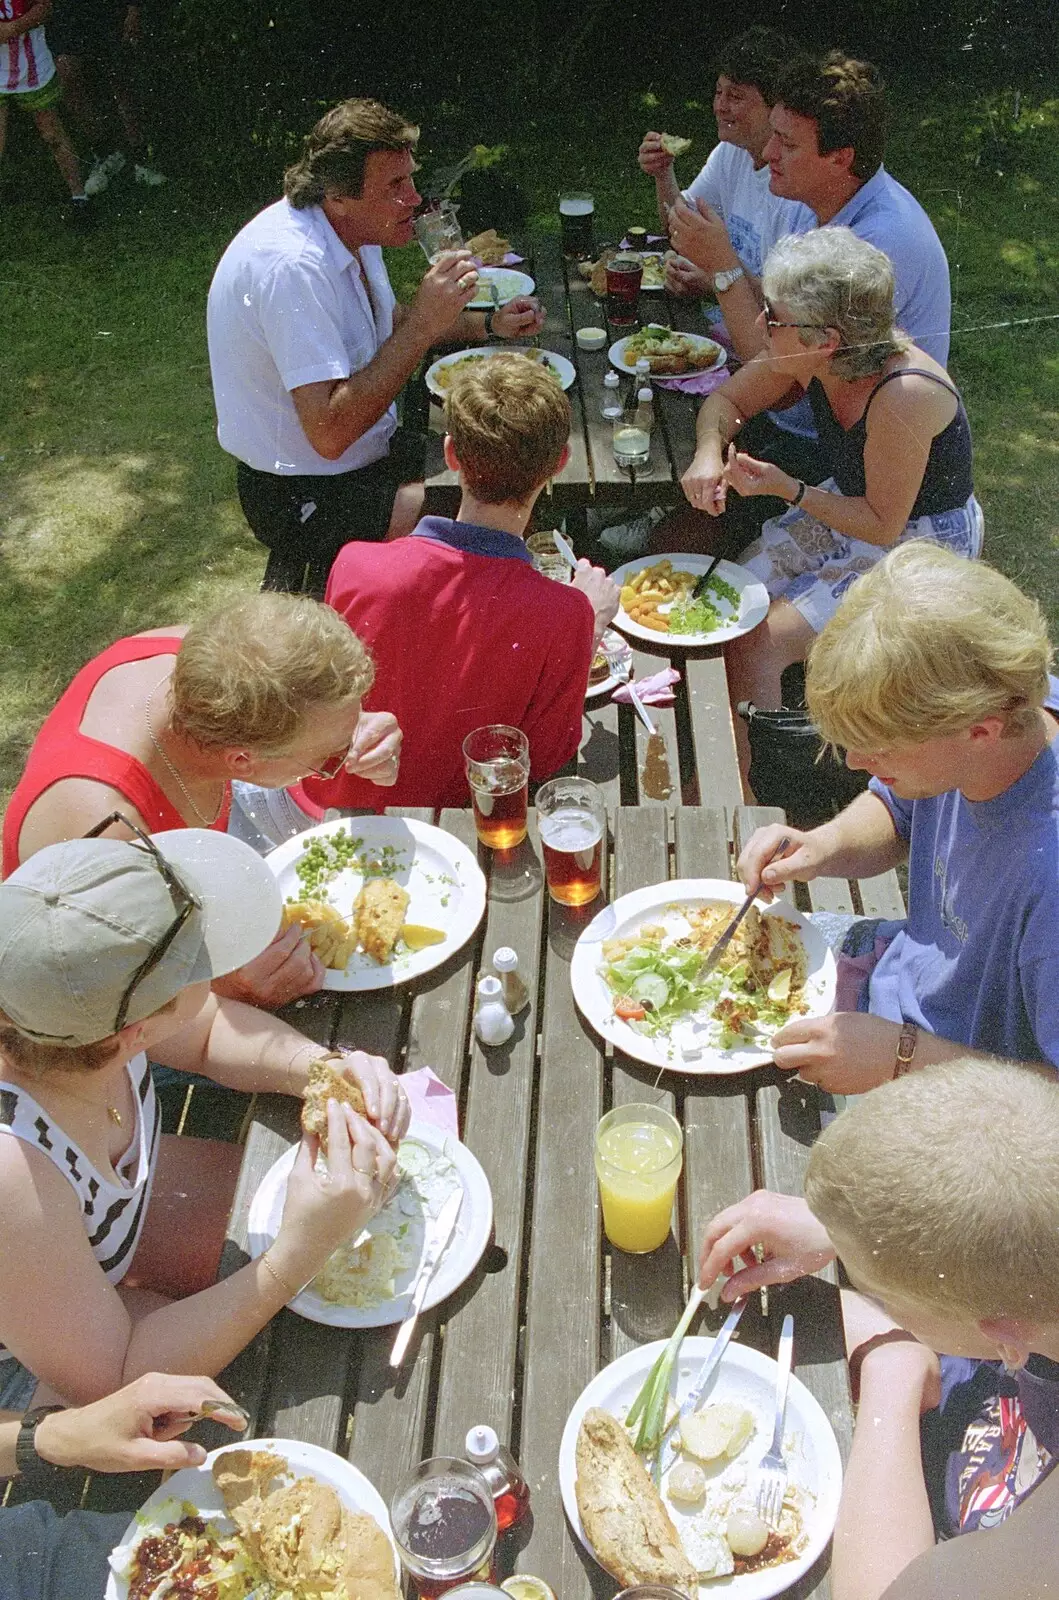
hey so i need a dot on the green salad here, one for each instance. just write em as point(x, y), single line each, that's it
point(701, 615)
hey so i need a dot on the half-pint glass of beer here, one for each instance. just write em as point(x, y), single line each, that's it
point(498, 764)
point(575, 220)
point(572, 818)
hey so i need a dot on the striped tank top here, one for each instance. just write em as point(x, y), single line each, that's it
point(113, 1212)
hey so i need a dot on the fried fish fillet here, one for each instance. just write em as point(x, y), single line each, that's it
point(622, 1513)
point(378, 916)
point(327, 1082)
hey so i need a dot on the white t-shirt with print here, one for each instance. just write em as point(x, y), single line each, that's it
point(754, 217)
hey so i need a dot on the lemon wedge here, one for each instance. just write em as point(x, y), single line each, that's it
point(780, 987)
point(525, 1587)
point(418, 937)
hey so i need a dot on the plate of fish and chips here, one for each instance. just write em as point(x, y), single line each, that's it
point(669, 354)
point(383, 899)
point(269, 1517)
point(368, 1281)
point(657, 603)
point(438, 377)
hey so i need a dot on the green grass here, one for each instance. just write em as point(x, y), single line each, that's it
point(117, 506)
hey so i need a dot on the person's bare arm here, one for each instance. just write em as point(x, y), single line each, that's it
point(33, 18)
point(901, 428)
point(699, 234)
point(656, 161)
point(68, 809)
point(753, 388)
point(859, 843)
point(47, 1268)
point(336, 412)
point(884, 1517)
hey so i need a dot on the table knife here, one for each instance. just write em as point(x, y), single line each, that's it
point(444, 1228)
point(717, 951)
point(671, 1446)
point(703, 583)
point(565, 549)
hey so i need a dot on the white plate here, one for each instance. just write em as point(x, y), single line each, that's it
point(445, 882)
point(196, 1485)
point(652, 255)
point(748, 1378)
point(616, 354)
point(606, 685)
point(564, 368)
point(753, 602)
point(462, 1254)
point(627, 915)
point(509, 284)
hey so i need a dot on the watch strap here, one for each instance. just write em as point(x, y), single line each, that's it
point(906, 1048)
point(489, 322)
point(724, 280)
point(28, 1462)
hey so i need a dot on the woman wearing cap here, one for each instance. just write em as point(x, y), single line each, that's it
point(107, 951)
point(890, 423)
point(265, 691)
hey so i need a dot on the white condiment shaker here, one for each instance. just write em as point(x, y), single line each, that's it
point(492, 1020)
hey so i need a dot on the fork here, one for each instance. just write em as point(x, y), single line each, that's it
point(772, 1484)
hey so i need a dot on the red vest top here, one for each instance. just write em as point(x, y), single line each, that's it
point(61, 750)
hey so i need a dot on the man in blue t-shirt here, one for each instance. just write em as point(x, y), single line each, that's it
point(933, 675)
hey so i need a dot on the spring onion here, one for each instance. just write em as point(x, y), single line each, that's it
point(648, 1410)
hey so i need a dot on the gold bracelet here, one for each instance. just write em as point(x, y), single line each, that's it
point(309, 1044)
point(270, 1269)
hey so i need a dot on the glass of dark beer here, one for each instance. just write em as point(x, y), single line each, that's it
point(444, 1522)
point(575, 219)
point(498, 764)
point(572, 818)
point(624, 276)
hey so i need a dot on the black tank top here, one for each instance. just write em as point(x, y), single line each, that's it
point(947, 481)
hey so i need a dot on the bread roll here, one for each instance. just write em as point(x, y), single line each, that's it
point(622, 1513)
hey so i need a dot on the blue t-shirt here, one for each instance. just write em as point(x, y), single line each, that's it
point(977, 960)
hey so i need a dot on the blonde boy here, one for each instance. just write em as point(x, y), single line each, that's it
point(933, 674)
point(940, 1194)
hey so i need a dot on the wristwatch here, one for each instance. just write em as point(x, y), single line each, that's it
point(28, 1462)
point(724, 280)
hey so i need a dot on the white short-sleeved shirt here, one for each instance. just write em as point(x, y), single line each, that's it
point(754, 217)
point(290, 305)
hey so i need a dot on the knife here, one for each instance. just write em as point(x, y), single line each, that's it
point(565, 549)
point(670, 1446)
point(703, 583)
point(443, 1231)
point(717, 950)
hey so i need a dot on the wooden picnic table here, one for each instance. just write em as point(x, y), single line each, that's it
point(591, 473)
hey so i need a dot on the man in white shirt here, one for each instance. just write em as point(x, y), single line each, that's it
point(309, 349)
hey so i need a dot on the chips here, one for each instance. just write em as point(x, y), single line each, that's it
point(645, 591)
point(330, 936)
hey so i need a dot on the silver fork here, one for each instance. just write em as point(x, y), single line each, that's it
point(772, 1484)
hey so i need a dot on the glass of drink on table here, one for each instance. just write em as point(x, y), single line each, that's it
point(572, 818)
point(547, 557)
point(624, 276)
point(498, 764)
point(639, 1154)
point(444, 1522)
point(575, 219)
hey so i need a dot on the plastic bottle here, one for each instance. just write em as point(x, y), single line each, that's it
point(501, 1472)
point(644, 418)
point(514, 992)
point(610, 406)
point(492, 1020)
point(643, 372)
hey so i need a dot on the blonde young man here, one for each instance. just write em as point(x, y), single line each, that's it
point(933, 675)
point(463, 630)
point(939, 1194)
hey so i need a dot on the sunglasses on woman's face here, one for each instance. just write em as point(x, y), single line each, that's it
point(184, 901)
point(771, 320)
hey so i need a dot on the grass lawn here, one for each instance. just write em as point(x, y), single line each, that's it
point(117, 506)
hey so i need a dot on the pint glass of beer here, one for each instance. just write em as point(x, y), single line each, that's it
point(498, 764)
point(573, 826)
point(575, 220)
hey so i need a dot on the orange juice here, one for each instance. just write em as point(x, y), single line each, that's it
point(638, 1162)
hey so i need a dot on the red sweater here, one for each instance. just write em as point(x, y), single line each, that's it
point(464, 632)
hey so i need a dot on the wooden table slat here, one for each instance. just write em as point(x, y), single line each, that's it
point(664, 719)
point(716, 762)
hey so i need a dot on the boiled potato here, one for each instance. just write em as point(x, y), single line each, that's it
point(717, 1430)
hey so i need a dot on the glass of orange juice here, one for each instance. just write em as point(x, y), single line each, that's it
point(639, 1154)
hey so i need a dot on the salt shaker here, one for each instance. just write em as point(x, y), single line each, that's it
point(492, 1020)
point(514, 991)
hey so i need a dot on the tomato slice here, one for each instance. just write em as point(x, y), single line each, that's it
point(629, 1010)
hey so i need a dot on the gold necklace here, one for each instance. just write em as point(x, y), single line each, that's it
point(206, 821)
point(112, 1111)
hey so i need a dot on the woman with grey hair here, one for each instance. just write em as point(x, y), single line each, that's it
point(890, 423)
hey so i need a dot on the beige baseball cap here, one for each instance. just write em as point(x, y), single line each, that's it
point(78, 919)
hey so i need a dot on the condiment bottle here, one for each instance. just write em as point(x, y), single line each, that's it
point(610, 405)
point(644, 418)
point(643, 372)
point(501, 1472)
point(514, 991)
point(492, 1020)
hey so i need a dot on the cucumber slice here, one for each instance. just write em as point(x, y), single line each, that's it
point(650, 988)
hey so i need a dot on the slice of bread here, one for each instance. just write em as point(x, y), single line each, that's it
point(327, 1081)
point(674, 144)
point(621, 1511)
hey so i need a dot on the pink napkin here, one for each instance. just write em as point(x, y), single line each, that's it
point(694, 382)
point(430, 1100)
point(657, 690)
